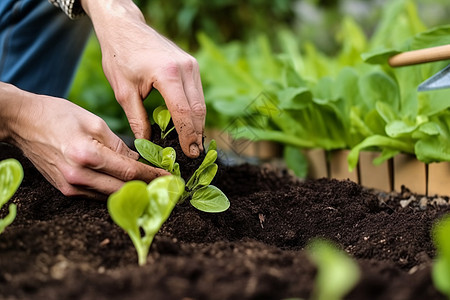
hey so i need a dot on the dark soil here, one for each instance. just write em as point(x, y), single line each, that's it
point(68, 248)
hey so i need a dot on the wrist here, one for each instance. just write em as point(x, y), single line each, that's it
point(10, 102)
point(109, 12)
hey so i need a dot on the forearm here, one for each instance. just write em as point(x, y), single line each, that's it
point(107, 15)
point(11, 99)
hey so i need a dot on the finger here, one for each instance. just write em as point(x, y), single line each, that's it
point(116, 144)
point(194, 93)
point(125, 168)
point(134, 109)
point(172, 90)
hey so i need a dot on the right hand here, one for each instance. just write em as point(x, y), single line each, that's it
point(73, 148)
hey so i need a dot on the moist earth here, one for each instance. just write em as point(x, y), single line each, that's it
point(69, 248)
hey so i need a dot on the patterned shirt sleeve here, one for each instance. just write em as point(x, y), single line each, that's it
point(71, 8)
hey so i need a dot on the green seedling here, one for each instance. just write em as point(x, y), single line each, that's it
point(204, 196)
point(441, 266)
point(11, 175)
point(337, 273)
point(161, 115)
point(140, 207)
point(158, 156)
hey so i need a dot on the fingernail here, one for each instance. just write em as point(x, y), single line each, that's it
point(193, 150)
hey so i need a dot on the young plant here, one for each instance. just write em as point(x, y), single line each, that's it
point(204, 196)
point(161, 115)
point(158, 156)
point(441, 267)
point(140, 207)
point(11, 175)
point(337, 272)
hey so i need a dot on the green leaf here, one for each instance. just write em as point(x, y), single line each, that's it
point(206, 176)
point(378, 142)
point(296, 161)
point(150, 151)
point(292, 98)
point(161, 115)
point(11, 175)
point(210, 199)
point(164, 193)
point(128, 204)
point(168, 159)
point(337, 273)
point(212, 146)
point(138, 205)
point(209, 159)
point(441, 267)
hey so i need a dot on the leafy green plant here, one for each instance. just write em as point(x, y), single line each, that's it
point(161, 116)
point(348, 100)
point(11, 175)
point(337, 273)
point(204, 196)
point(138, 206)
point(441, 267)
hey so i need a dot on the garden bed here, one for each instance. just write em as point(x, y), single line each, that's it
point(69, 248)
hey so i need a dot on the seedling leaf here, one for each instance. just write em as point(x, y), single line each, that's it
point(206, 176)
point(212, 145)
point(210, 199)
point(140, 206)
point(168, 158)
point(11, 175)
point(161, 115)
point(441, 267)
point(150, 151)
point(337, 272)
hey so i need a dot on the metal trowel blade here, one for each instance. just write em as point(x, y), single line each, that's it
point(440, 80)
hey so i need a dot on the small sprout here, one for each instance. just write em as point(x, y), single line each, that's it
point(158, 156)
point(441, 268)
point(161, 115)
point(337, 273)
point(204, 196)
point(165, 158)
point(11, 175)
point(138, 206)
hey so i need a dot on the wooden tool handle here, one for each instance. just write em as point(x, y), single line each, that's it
point(420, 56)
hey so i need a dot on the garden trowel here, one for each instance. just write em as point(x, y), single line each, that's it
point(441, 79)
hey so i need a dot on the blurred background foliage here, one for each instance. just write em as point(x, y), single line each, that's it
point(227, 21)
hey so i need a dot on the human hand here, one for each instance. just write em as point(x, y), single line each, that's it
point(136, 59)
point(74, 149)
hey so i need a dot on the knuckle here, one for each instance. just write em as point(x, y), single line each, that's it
point(122, 94)
point(129, 174)
point(98, 125)
point(172, 70)
point(82, 157)
point(198, 109)
point(72, 176)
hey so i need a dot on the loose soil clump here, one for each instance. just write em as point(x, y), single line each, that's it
point(69, 248)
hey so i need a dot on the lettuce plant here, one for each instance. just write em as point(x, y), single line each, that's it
point(161, 116)
point(204, 196)
point(441, 267)
point(140, 207)
point(11, 175)
point(337, 273)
